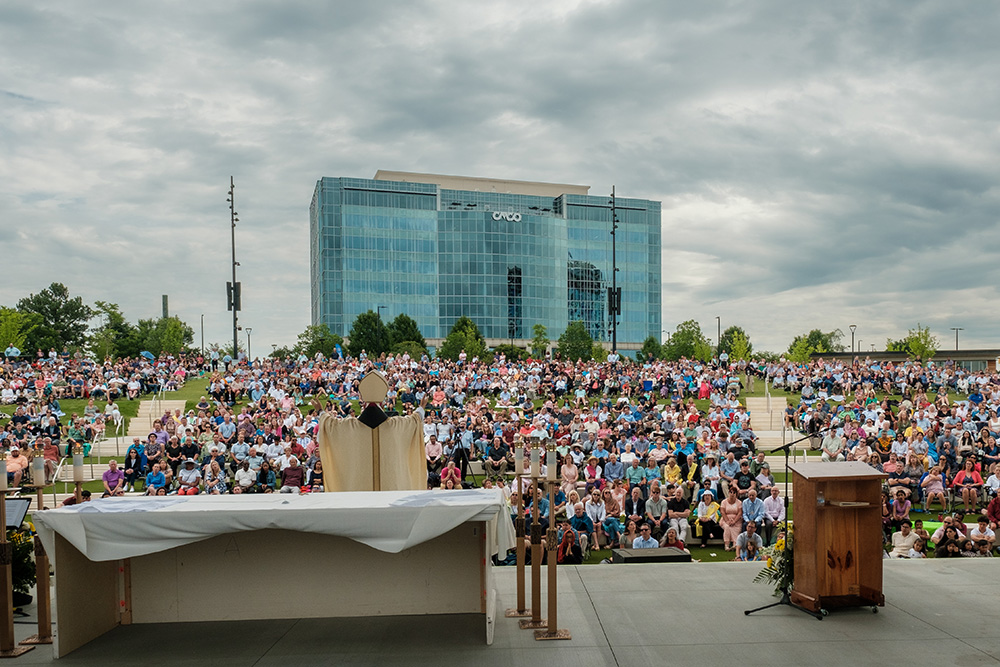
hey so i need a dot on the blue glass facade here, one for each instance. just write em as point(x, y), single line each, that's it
point(508, 261)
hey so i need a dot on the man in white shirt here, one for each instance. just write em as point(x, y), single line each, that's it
point(774, 513)
point(903, 540)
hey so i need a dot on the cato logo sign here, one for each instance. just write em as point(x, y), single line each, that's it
point(509, 217)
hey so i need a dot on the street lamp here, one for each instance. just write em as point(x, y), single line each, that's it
point(203, 334)
point(873, 347)
point(859, 344)
point(233, 289)
point(614, 292)
point(852, 328)
point(956, 330)
point(249, 358)
point(718, 324)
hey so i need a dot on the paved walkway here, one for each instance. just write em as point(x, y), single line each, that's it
point(938, 612)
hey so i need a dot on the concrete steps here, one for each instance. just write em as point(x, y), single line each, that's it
point(761, 419)
point(142, 423)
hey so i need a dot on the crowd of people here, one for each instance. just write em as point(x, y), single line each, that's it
point(661, 453)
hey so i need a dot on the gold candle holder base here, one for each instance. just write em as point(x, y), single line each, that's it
point(542, 635)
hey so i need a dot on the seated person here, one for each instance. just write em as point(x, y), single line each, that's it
point(670, 539)
point(982, 531)
point(451, 473)
point(645, 539)
point(16, 465)
point(583, 525)
point(293, 477)
point(189, 478)
point(114, 480)
point(569, 551)
point(156, 479)
point(903, 540)
point(749, 544)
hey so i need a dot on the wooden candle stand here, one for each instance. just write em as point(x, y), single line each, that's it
point(552, 631)
point(43, 593)
point(7, 647)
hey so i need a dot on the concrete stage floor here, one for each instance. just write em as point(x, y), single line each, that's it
point(943, 612)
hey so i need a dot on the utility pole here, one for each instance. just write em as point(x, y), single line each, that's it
point(956, 330)
point(233, 288)
point(614, 293)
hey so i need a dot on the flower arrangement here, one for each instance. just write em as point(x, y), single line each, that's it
point(780, 567)
point(22, 560)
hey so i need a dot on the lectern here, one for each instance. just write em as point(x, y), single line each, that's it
point(838, 536)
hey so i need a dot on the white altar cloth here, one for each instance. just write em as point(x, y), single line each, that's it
point(390, 521)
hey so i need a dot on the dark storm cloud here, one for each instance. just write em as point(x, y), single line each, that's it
point(818, 164)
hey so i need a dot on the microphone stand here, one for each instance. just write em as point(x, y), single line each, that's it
point(785, 597)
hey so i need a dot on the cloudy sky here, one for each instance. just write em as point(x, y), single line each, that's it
point(819, 164)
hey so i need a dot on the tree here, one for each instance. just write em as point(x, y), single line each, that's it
point(368, 333)
point(64, 318)
point(576, 342)
point(729, 340)
point(469, 328)
point(114, 337)
point(15, 327)
point(651, 348)
point(740, 347)
point(318, 338)
point(456, 342)
point(598, 353)
point(282, 353)
point(800, 350)
point(540, 341)
point(511, 352)
point(918, 344)
point(167, 335)
point(819, 342)
point(404, 328)
point(688, 341)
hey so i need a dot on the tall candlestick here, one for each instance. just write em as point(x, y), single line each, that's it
point(3, 471)
point(519, 459)
point(38, 467)
point(550, 464)
point(534, 461)
point(78, 464)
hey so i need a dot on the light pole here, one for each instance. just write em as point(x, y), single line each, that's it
point(203, 334)
point(233, 288)
point(718, 341)
point(614, 294)
point(852, 328)
point(956, 330)
point(249, 358)
point(379, 310)
point(873, 347)
point(859, 344)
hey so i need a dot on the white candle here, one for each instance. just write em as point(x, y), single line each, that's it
point(551, 465)
point(38, 468)
point(3, 473)
point(534, 461)
point(519, 459)
point(77, 466)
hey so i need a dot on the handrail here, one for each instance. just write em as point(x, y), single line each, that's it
point(55, 478)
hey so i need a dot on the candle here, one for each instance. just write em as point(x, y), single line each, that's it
point(519, 459)
point(38, 468)
point(3, 472)
point(534, 461)
point(551, 465)
point(78, 464)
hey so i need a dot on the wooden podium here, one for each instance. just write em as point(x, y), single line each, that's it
point(838, 536)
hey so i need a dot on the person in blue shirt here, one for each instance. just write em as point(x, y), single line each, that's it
point(584, 526)
point(613, 470)
point(645, 539)
point(156, 479)
point(753, 510)
point(543, 508)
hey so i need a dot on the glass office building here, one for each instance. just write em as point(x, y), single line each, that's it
point(507, 254)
